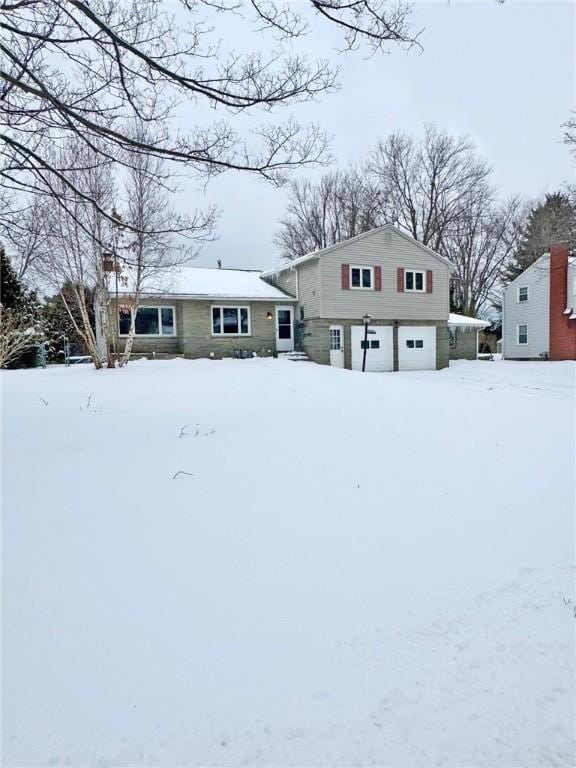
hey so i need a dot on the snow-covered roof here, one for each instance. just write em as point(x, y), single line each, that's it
point(464, 320)
point(199, 282)
point(384, 228)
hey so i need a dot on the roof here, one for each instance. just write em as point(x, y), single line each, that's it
point(336, 246)
point(465, 321)
point(203, 283)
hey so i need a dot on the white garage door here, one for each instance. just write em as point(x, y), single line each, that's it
point(416, 347)
point(379, 354)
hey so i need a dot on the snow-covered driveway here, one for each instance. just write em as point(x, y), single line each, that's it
point(349, 570)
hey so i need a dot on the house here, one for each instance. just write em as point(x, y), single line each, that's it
point(399, 285)
point(463, 335)
point(318, 304)
point(216, 313)
point(539, 309)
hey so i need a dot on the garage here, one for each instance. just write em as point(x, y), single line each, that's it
point(380, 351)
point(417, 347)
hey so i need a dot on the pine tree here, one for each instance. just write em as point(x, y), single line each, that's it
point(551, 221)
point(20, 327)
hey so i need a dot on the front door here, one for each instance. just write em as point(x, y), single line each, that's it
point(284, 330)
point(337, 346)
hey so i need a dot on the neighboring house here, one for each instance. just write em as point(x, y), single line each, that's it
point(208, 313)
point(463, 336)
point(539, 310)
point(402, 286)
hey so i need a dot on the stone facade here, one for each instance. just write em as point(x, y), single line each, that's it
point(314, 338)
point(193, 333)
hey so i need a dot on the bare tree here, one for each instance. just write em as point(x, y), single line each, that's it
point(23, 228)
point(426, 185)
point(76, 234)
point(90, 70)
point(341, 205)
point(570, 134)
point(162, 240)
point(479, 245)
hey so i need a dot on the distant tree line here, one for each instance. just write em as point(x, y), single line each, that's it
point(438, 190)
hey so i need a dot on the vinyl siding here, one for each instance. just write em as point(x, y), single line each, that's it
point(286, 281)
point(309, 288)
point(534, 313)
point(572, 282)
point(388, 250)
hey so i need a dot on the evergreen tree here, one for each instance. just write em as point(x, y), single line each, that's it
point(20, 327)
point(551, 221)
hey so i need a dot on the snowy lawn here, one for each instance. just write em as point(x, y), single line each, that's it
point(359, 569)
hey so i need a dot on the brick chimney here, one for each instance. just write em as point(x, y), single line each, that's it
point(562, 329)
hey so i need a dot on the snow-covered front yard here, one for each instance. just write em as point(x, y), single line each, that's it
point(349, 570)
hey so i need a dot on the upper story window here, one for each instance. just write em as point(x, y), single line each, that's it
point(523, 294)
point(231, 321)
point(522, 334)
point(150, 321)
point(362, 277)
point(414, 280)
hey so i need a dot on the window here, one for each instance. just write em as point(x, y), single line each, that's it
point(523, 294)
point(415, 343)
point(522, 334)
point(230, 321)
point(335, 339)
point(414, 281)
point(452, 337)
point(150, 321)
point(362, 277)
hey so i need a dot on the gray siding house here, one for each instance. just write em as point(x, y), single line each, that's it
point(399, 285)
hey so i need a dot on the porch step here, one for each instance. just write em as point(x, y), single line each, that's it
point(296, 357)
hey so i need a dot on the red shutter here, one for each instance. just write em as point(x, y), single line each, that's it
point(345, 277)
point(400, 280)
point(428, 281)
point(377, 278)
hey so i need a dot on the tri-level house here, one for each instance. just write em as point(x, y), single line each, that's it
point(539, 309)
point(381, 293)
point(384, 278)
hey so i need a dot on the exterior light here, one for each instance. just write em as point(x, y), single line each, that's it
point(367, 319)
point(269, 316)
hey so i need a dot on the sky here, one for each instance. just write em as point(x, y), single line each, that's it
point(503, 74)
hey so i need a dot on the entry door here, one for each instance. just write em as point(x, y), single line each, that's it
point(284, 331)
point(337, 346)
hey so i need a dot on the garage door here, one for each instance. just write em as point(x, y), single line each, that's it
point(379, 354)
point(416, 347)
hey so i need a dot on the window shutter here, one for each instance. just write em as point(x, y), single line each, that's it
point(400, 280)
point(428, 281)
point(345, 277)
point(377, 278)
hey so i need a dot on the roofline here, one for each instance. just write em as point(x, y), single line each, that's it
point(361, 236)
point(207, 297)
point(546, 253)
point(477, 323)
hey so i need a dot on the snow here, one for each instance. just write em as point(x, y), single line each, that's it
point(358, 570)
point(464, 320)
point(194, 282)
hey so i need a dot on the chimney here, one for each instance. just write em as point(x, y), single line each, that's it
point(562, 342)
point(219, 263)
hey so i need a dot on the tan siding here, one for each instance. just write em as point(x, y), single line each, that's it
point(309, 288)
point(285, 281)
point(390, 251)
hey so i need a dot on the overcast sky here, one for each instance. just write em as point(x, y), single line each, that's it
point(504, 74)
